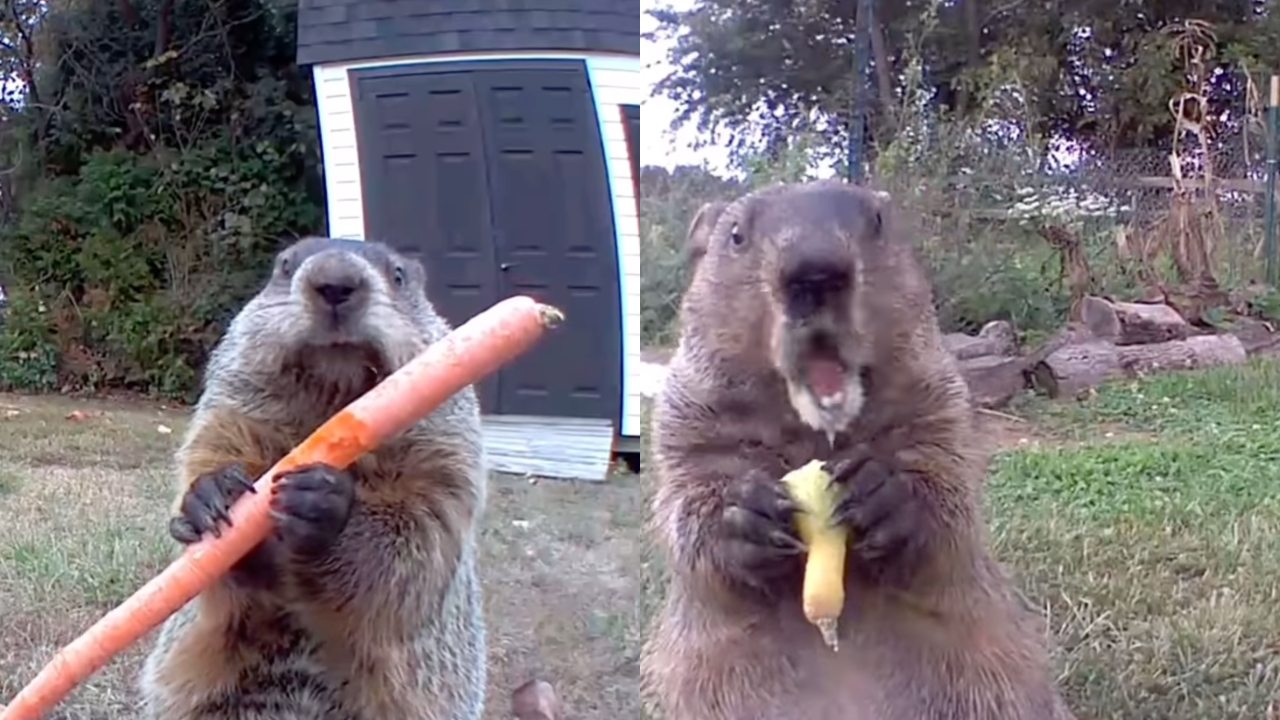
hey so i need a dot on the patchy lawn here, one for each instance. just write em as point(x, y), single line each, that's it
point(83, 507)
point(1150, 533)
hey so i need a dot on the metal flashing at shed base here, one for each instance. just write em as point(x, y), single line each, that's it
point(551, 447)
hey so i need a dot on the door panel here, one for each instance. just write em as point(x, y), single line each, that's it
point(553, 230)
point(424, 185)
point(496, 179)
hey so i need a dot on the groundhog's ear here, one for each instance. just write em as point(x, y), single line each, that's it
point(881, 211)
point(699, 234)
point(418, 271)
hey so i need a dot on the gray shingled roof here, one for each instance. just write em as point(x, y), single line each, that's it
point(343, 30)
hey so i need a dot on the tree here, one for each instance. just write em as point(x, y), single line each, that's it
point(1096, 73)
point(156, 154)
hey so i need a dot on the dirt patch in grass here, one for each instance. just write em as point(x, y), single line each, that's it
point(83, 508)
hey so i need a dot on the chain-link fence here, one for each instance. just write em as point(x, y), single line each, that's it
point(1005, 238)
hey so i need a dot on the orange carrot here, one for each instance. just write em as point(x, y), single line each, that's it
point(473, 350)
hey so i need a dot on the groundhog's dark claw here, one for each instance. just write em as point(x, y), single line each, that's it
point(761, 543)
point(182, 531)
point(311, 505)
point(880, 504)
point(204, 507)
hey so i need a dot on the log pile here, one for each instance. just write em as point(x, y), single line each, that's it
point(1110, 340)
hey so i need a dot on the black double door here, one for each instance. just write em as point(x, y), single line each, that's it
point(494, 176)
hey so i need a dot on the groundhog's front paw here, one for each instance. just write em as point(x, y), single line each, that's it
point(882, 505)
point(204, 507)
point(311, 505)
point(760, 541)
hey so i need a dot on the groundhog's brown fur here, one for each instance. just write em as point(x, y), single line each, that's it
point(931, 629)
point(365, 605)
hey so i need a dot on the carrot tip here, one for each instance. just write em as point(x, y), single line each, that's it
point(550, 316)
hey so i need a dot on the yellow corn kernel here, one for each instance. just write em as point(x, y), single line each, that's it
point(823, 594)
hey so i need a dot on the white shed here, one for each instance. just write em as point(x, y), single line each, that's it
point(497, 140)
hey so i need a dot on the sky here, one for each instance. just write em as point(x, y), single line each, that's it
point(658, 146)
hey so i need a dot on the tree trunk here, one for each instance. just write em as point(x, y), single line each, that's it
point(164, 27)
point(884, 69)
point(130, 14)
point(973, 47)
point(1072, 369)
point(1133, 323)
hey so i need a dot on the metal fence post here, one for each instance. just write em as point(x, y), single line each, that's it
point(858, 102)
point(1273, 126)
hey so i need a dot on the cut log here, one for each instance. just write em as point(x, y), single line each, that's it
point(1100, 317)
point(1126, 323)
point(994, 380)
point(1258, 337)
point(1200, 351)
point(1073, 369)
point(996, 338)
point(1073, 333)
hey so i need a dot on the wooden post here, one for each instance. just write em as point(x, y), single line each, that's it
point(1273, 127)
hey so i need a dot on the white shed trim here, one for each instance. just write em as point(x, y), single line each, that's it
point(615, 81)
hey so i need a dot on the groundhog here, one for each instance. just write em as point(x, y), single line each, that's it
point(364, 604)
point(808, 331)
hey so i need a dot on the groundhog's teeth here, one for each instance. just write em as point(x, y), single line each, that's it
point(832, 400)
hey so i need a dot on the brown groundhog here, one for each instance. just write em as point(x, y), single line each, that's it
point(364, 605)
point(808, 332)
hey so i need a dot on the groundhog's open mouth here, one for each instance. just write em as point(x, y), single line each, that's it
point(825, 373)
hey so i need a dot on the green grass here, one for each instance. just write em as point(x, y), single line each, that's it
point(1239, 401)
point(8, 481)
point(83, 511)
point(1151, 537)
point(1145, 523)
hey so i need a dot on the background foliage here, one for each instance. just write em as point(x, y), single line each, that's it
point(1042, 148)
point(1094, 72)
point(157, 153)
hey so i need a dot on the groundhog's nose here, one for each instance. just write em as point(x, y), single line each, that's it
point(336, 293)
point(812, 283)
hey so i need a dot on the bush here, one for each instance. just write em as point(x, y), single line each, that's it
point(956, 189)
point(145, 212)
point(141, 264)
point(28, 351)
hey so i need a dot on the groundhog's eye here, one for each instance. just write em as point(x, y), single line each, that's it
point(399, 276)
point(736, 237)
point(285, 265)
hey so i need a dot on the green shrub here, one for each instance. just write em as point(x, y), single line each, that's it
point(141, 263)
point(28, 352)
point(145, 211)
